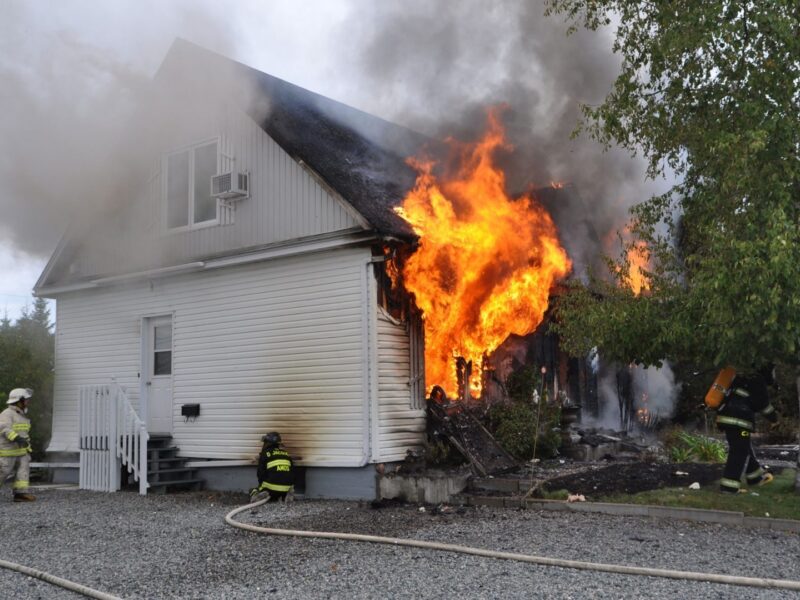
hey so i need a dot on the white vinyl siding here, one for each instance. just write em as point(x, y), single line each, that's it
point(402, 426)
point(277, 345)
point(286, 203)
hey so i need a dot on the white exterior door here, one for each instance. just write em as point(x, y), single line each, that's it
point(158, 374)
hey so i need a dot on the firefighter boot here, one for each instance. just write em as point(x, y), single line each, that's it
point(765, 479)
point(256, 495)
point(24, 497)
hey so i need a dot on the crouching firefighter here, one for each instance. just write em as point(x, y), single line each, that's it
point(747, 397)
point(275, 470)
point(15, 443)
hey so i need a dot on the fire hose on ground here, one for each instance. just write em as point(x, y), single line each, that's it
point(759, 582)
point(786, 584)
point(64, 583)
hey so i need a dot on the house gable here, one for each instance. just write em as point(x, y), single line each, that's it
point(314, 165)
point(287, 202)
point(362, 157)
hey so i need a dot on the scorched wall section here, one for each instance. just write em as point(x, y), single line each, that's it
point(273, 345)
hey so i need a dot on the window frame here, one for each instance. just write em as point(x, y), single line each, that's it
point(190, 199)
point(155, 350)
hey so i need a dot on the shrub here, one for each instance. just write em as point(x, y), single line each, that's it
point(440, 453)
point(680, 454)
point(513, 426)
point(686, 447)
point(521, 384)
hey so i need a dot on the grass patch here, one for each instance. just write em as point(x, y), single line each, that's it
point(777, 499)
point(554, 495)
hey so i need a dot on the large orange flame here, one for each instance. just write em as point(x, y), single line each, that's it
point(639, 261)
point(486, 262)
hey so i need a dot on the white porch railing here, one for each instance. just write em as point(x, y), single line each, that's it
point(111, 435)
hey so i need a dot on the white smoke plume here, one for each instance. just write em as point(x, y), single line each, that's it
point(655, 391)
point(67, 139)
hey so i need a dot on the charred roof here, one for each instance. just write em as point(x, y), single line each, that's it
point(360, 156)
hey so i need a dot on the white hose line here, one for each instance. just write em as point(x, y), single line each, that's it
point(65, 583)
point(786, 584)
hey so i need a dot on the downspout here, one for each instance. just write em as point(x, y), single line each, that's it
point(366, 417)
point(143, 358)
point(373, 390)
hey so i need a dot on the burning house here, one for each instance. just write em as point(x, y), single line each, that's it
point(233, 289)
point(286, 262)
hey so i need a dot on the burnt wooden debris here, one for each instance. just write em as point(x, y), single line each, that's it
point(453, 421)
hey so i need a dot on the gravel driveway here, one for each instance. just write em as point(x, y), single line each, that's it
point(178, 546)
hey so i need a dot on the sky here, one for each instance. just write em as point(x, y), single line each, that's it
point(71, 69)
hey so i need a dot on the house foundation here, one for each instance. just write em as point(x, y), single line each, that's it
point(433, 487)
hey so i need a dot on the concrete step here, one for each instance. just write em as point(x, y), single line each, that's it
point(157, 453)
point(157, 462)
point(158, 441)
point(172, 472)
point(166, 472)
point(175, 485)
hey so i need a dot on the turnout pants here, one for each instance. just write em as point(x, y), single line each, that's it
point(19, 464)
point(741, 458)
point(263, 491)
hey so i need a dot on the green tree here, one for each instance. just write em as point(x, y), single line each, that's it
point(27, 360)
point(710, 91)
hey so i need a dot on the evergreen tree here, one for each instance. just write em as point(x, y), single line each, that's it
point(27, 360)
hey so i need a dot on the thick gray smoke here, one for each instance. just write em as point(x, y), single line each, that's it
point(67, 134)
point(436, 66)
point(432, 65)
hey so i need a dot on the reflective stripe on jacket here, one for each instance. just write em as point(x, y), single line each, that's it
point(13, 423)
point(744, 424)
point(275, 470)
point(749, 396)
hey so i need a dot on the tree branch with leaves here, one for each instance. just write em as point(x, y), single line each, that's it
point(711, 92)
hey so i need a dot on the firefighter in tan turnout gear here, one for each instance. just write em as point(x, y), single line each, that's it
point(15, 443)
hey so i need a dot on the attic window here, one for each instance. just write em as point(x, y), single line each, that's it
point(189, 203)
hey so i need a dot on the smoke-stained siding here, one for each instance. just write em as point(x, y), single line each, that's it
point(273, 345)
point(400, 425)
point(285, 203)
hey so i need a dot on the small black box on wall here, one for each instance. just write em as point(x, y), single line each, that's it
point(190, 410)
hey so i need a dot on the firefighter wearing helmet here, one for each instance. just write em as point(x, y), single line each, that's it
point(15, 443)
point(275, 470)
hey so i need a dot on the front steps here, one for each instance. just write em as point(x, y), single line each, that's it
point(167, 472)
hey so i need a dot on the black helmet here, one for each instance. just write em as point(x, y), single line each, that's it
point(273, 438)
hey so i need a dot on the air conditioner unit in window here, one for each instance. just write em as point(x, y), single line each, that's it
point(230, 186)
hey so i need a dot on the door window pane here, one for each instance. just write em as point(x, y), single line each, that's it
point(162, 349)
point(163, 337)
point(178, 190)
point(162, 363)
point(205, 167)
